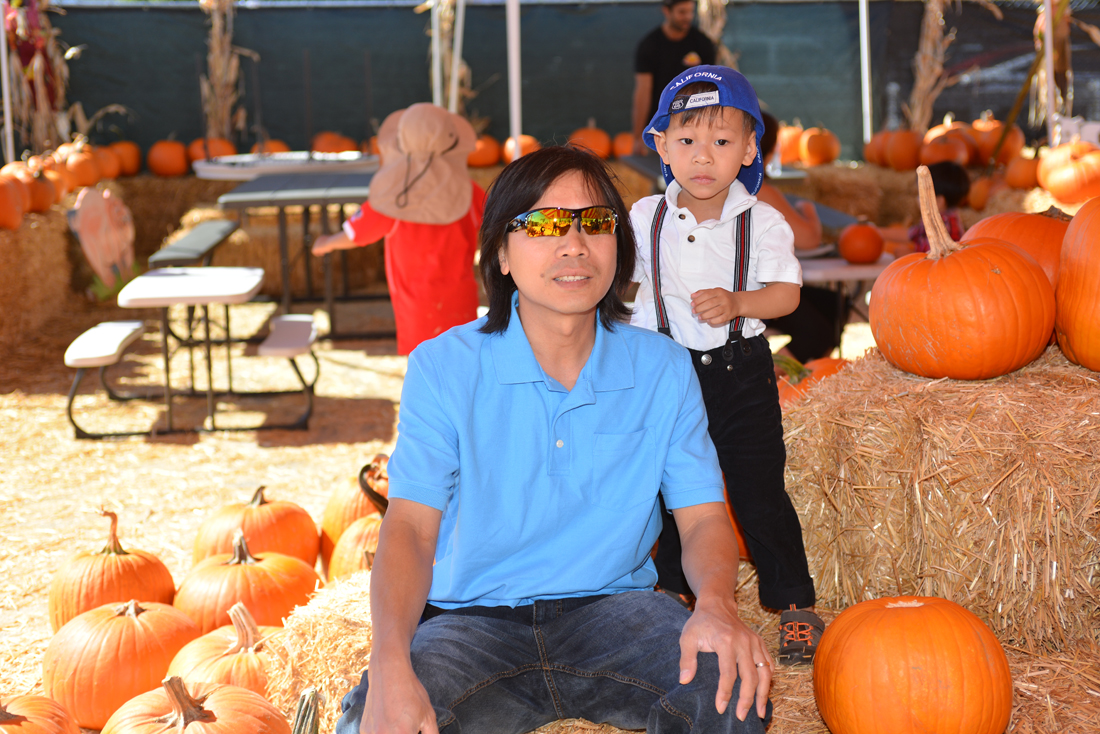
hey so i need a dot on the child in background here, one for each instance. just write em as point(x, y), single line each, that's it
point(713, 262)
point(951, 184)
point(425, 205)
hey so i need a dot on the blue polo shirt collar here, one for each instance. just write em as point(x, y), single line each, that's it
point(609, 367)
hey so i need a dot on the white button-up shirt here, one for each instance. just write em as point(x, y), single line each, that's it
point(700, 255)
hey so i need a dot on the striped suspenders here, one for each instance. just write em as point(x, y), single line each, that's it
point(742, 237)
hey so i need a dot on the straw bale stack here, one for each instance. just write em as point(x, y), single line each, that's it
point(256, 244)
point(985, 493)
point(35, 275)
point(846, 189)
point(327, 643)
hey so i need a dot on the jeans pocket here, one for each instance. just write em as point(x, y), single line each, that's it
point(623, 469)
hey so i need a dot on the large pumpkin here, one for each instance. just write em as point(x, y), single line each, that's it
point(356, 548)
point(797, 377)
point(1078, 321)
point(911, 665)
point(1039, 235)
point(269, 584)
point(818, 146)
point(279, 526)
point(205, 709)
point(167, 158)
point(91, 579)
point(350, 502)
point(1070, 172)
point(35, 715)
point(236, 654)
point(969, 313)
point(106, 656)
point(592, 138)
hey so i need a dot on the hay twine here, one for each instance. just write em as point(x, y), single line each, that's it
point(981, 492)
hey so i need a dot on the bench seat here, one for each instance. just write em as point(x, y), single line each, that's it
point(196, 247)
point(103, 344)
point(291, 335)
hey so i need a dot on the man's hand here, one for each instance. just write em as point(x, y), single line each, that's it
point(715, 627)
point(397, 704)
point(716, 306)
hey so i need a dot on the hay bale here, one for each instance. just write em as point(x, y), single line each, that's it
point(35, 275)
point(984, 492)
point(327, 644)
point(846, 189)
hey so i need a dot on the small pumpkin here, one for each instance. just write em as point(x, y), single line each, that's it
point(987, 132)
point(874, 150)
point(269, 584)
point(350, 502)
point(104, 657)
point(356, 547)
point(1078, 293)
point(860, 243)
point(960, 131)
point(129, 156)
point(903, 150)
point(279, 526)
point(969, 313)
point(592, 138)
point(1022, 173)
point(167, 158)
point(109, 165)
point(981, 189)
point(818, 146)
point(83, 166)
point(798, 377)
point(622, 144)
point(41, 192)
point(236, 654)
point(486, 152)
point(939, 667)
point(34, 715)
point(331, 142)
point(12, 208)
point(204, 709)
point(788, 140)
point(91, 579)
point(271, 145)
point(202, 148)
point(527, 144)
point(944, 148)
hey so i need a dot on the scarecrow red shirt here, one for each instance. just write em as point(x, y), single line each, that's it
point(429, 268)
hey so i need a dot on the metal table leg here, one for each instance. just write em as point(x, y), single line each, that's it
point(209, 369)
point(167, 365)
point(284, 260)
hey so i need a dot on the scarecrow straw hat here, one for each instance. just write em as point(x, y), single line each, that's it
point(423, 178)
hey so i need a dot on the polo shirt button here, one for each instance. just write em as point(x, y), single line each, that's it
point(683, 216)
point(691, 238)
point(560, 443)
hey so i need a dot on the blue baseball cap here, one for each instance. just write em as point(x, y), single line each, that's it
point(734, 90)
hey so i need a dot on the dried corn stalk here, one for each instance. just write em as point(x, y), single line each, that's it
point(37, 89)
point(929, 79)
point(466, 92)
point(220, 85)
point(712, 22)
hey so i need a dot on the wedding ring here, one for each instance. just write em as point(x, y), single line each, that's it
point(761, 665)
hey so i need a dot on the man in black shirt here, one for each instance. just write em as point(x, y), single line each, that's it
point(671, 48)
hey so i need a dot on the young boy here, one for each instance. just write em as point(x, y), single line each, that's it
point(712, 263)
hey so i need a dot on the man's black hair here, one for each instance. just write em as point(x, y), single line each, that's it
point(672, 3)
point(519, 186)
point(951, 181)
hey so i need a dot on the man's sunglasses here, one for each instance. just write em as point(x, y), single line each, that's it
point(555, 222)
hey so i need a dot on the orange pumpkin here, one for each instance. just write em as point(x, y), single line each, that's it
point(874, 150)
point(84, 167)
point(987, 133)
point(129, 156)
point(1022, 173)
point(109, 165)
point(944, 148)
point(622, 144)
point(11, 203)
point(593, 138)
point(202, 148)
point(969, 313)
point(41, 192)
point(349, 502)
point(167, 158)
point(269, 584)
point(1071, 172)
point(903, 150)
point(798, 377)
point(960, 131)
point(1039, 235)
point(236, 654)
point(939, 667)
point(271, 145)
point(34, 715)
point(527, 144)
point(818, 146)
point(486, 152)
point(860, 243)
point(356, 547)
point(20, 191)
point(280, 526)
point(106, 656)
point(788, 140)
point(60, 184)
point(1077, 327)
point(981, 189)
point(330, 142)
point(206, 709)
point(370, 147)
point(90, 579)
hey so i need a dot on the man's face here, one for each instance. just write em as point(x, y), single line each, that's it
point(679, 16)
point(567, 275)
point(707, 154)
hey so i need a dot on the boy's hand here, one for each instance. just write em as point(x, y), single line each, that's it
point(716, 306)
point(325, 244)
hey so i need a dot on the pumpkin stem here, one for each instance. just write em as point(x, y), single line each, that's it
point(1056, 213)
point(241, 555)
point(795, 371)
point(258, 499)
point(185, 709)
point(248, 634)
point(113, 547)
point(940, 243)
point(368, 559)
point(306, 718)
point(129, 609)
point(6, 715)
point(367, 476)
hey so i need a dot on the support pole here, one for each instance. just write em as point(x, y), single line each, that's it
point(437, 58)
point(865, 68)
point(456, 55)
point(9, 141)
point(515, 91)
point(1048, 63)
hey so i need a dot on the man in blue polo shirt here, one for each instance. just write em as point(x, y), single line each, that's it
point(513, 584)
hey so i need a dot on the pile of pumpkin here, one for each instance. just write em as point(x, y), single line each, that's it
point(489, 151)
point(813, 146)
point(122, 627)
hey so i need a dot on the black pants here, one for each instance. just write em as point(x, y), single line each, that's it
point(747, 429)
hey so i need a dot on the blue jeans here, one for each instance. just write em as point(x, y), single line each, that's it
point(615, 660)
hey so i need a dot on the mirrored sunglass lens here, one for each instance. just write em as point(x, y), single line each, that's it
point(598, 220)
point(548, 223)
